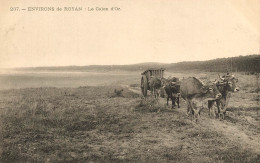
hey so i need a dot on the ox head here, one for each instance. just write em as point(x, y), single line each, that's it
point(230, 82)
point(176, 88)
point(170, 81)
point(210, 91)
point(173, 81)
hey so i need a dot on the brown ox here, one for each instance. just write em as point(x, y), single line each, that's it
point(194, 92)
point(172, 89)
point(155, 84)
point(225, 87)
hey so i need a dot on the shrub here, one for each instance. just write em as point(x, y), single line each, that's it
point(134, 85)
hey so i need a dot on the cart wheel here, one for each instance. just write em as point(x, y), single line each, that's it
point(144, 85)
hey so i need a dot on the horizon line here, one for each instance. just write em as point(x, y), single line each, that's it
point(125, 64)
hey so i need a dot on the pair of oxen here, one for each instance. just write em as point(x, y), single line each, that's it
point(195, 93)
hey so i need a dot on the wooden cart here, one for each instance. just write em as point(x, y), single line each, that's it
point(147, 75)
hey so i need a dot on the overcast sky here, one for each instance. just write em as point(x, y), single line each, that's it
point(143, 31)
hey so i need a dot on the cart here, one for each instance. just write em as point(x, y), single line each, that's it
point(147, 75)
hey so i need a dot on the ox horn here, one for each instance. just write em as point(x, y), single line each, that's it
point(173, 82)
point(221, 77)
point(201, 82)
point(215, 81)
point(233, 76)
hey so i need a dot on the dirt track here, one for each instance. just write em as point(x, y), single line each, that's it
point(231, 131)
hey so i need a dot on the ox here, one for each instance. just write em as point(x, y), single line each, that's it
point(172, 89)
point(155, 84)
point(194, 92)
point(225, 87)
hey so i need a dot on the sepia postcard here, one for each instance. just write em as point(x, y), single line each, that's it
point(129, 81)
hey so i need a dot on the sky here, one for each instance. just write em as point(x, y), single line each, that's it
point(142, 31)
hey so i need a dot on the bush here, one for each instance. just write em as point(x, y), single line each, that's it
point(117, 93)
point(134, 85)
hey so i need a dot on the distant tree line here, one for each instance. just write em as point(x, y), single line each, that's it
point(250, 63)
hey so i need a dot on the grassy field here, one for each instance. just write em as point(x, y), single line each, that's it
point(27, 79)
point(92, 123)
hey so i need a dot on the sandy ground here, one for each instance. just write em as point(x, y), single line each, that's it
point(87, 124)
point(232, 131)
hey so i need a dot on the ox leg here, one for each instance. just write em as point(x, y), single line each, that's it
point(178, 101)
point(209, 107)
point(192, 114)
point(211, 110)
point(173, 102)
point(157, 93)
point(199, 113)
point(224, 114)
point(218, 107)
point(223, 108)
point(224, 103)
point(167, 99)
point(189, 109)
point(197, 118)
point(152, 92)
